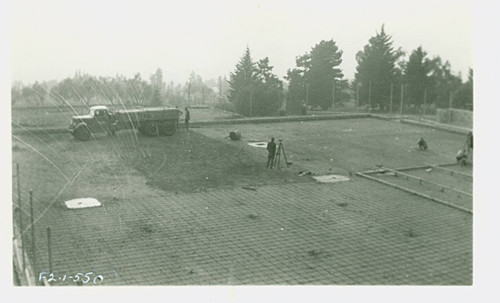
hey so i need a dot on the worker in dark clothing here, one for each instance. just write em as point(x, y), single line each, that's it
point(271, 150)
point(469, 141)
point(468, 147)
point(462, 157)
point(186, 118)
point(422, 145)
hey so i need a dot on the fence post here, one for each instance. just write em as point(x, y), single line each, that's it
point(20, 215)
point(49, 244)
point(33, 233)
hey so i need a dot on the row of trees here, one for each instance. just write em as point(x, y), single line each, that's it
point(383, 77)
point(384, 80)
point(84, 89)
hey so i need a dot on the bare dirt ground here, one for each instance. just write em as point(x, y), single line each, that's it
point(175, 210)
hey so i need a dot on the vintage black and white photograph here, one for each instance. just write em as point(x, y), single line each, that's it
point(216, 143)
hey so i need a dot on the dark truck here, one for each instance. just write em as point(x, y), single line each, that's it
point(156, 121)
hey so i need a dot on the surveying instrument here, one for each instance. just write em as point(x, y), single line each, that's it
point(277, 158)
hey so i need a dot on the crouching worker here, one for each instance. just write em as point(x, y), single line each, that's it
point(422, 145)
point(462, 157)
point(271, 152)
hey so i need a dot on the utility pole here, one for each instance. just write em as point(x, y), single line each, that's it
point(449, 110)
point(251, 101)
point(390, 100)
point(357, 94)
point(425, 101)
point(333, 94)
point(307, 94)
point(370, 95)
point(402, 95)
point(287, 100)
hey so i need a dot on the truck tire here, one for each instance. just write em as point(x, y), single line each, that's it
point(82, 133)
point(151, 129)
point(168, 128)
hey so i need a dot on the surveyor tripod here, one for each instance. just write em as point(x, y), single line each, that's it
point(277, 158)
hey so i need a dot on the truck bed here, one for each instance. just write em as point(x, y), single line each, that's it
point(141, 115)
point(148, 114)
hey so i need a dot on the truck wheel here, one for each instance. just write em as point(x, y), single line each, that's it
point(82, 133)
point(168, 128)
point(151, 129)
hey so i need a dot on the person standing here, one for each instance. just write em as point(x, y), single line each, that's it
point(462, 157)
point(469, 142)
point(468, 147)
point(186, 118)
point(271, 152)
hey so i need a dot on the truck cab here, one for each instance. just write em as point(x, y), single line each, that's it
point(98, 120)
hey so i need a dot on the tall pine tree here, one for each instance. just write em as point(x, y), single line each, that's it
point(417, 79)
point(269, 95)
point(242, 84)
point(253, 89)
point(324, 73)
point(296, 95)
point(377, 69)
point(313, 80)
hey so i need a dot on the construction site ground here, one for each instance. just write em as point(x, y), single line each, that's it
point(197, 208)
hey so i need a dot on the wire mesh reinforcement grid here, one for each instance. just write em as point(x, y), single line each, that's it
point(450, 187)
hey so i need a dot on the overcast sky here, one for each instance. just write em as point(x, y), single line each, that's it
point(51, 39)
